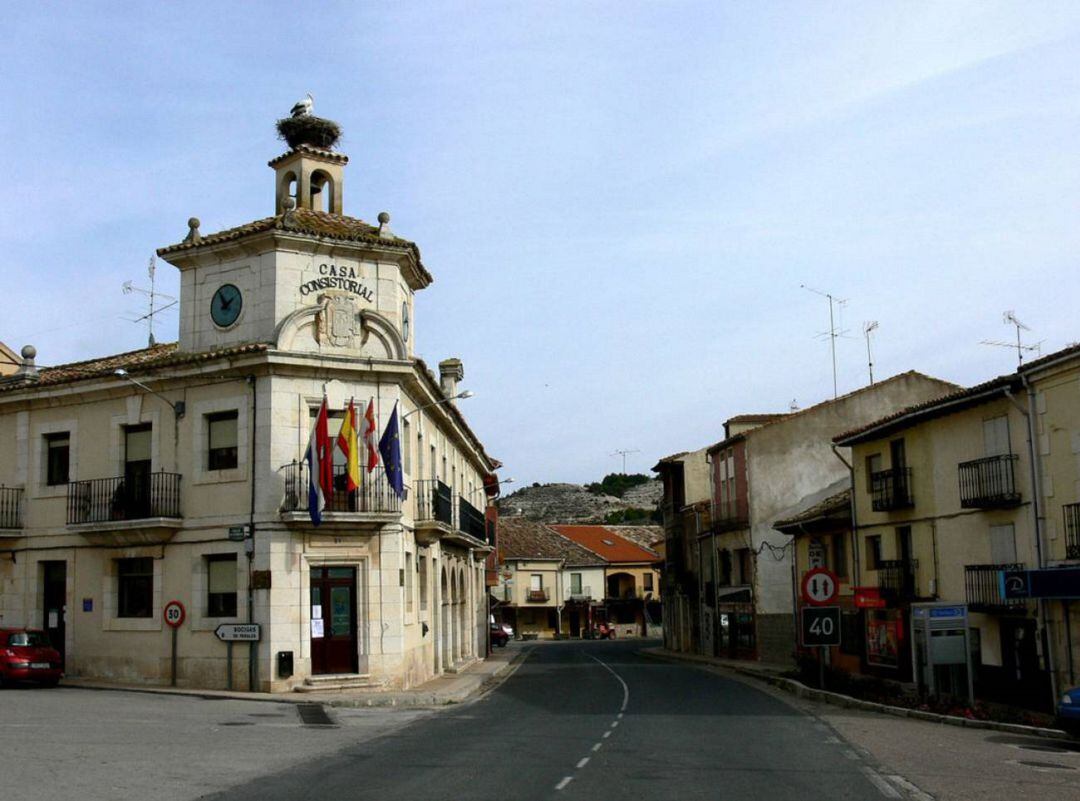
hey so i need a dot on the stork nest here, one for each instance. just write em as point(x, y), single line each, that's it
point(313, 131)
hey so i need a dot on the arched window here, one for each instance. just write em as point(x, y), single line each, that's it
point(322, 191)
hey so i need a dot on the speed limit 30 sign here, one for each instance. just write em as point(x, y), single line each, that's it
point(174, 614)
point(820, 626)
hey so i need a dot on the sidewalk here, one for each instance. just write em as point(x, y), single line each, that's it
point(774, 675)
point(450, 688)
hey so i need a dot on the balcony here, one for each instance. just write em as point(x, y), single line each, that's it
point(434, 503)
point(375, 501)
point(537, 596)
point(137, 509)
point(982, 587)
point(891, 489)
point(1072, 530)
point(471, 521)
point(897, 579)
point(11, 508)
point(581, 594)
point(989, 483)
point(732, 522)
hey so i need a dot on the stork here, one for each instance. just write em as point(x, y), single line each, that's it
point(303, 107)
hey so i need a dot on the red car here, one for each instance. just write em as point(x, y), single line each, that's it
point(498, 636)
point(27, 655)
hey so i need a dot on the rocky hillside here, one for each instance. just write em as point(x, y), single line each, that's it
point(574, 503)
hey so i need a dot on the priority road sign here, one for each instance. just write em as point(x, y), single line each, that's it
point(819, 586)
point(238, 632)
point(174, 614)
point(820, 626)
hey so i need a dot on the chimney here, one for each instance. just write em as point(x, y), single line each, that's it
point(450, 372)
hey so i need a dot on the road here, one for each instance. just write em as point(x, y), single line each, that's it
point(593, 720)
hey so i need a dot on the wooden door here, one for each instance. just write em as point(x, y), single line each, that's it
point(54, 597)
point(333, 601)
point(136, 498)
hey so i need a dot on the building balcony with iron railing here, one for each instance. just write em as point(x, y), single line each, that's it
point(117, 507)
point(580, 594)
point(1072, 530)
point(891, 489)
point(11, 509)
point(728, 517)
point(540, 596)
point(898, 579)
point(434, 503)
point(989, 483)
point(374, 500)
point(982, 588)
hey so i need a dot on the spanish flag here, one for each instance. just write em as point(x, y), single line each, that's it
point(346, 441)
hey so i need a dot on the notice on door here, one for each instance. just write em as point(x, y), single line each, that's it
point(316, 629)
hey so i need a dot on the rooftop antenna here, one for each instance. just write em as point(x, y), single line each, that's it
point(153, 296)
point(623, 455)
point(1009, 318)
point(834, 332)
point(868, 328)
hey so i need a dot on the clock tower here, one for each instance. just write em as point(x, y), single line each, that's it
point(309, 278)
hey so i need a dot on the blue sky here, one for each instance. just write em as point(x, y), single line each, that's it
point(619, 201)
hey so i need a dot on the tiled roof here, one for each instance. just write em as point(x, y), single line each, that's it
point(605, 542)
point(645, 536)
point(758, 418)
point(835, 505)
point(520, 538)
point(329, 155)
point(936, 407)
point(1071, 350)
point(784, 418)
point(135, 361)
point(306, 222)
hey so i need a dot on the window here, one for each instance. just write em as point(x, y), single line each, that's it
point(873, 465)
point(725, 568)
point(839, 554)
point(221, 585)
point(409, 566)
point(575, 584)
point(647, 579)
point(1003, 544)
point(57, 458)
point(423, 571)
point(406, 446)
point(222, 449)
point(135, 587)
point(873, 551)
point(742, 556)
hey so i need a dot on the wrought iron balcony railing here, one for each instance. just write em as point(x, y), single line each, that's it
point(434, 502)
point(581, 593)
point(11, 507)
point(982, 587)
point(375, 494)
point(891, 489)
point(133, 497)
point(537, 596)
point(471, 520)
point(1072, 530)
point(898, 579)
point(988, 483)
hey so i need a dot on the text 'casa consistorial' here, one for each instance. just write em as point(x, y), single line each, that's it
point(332, 276)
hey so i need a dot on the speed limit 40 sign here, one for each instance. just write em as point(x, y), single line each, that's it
point(820, 625)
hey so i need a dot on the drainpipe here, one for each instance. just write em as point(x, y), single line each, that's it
point(249, 544)
point(1038, 518)
point(854, 521)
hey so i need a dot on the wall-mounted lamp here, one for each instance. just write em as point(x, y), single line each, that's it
point(179, 407)
point(460, 396)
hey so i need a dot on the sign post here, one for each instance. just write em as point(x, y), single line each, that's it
point(174, 615)
point(820, 622)
point(229, 633)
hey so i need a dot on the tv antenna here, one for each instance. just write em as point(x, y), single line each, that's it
point(868, 328)
point(152, 296)
point(834, 332)
point(623, 455)
point(1009, 318)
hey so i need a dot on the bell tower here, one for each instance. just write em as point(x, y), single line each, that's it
point(312, 177)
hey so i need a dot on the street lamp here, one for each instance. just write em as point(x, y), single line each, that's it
point(178, 407)
point(460, 396)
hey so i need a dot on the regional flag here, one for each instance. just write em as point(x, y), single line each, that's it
point(390, 448)
point(369, 436)
point(320, 459)
point(346, 441)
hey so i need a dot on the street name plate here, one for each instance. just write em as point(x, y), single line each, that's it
point(238, 632)
point(820, 625)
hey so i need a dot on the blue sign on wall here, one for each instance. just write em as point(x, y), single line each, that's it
point(88, 604)
point(1060, 582)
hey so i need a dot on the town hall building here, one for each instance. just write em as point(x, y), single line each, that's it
point(174, 476)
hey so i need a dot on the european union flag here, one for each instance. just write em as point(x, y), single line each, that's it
point(390, 448)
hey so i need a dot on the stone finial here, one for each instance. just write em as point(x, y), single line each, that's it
point(28, 369)
point(288, 207)
point(384, 223)
point(193, 234)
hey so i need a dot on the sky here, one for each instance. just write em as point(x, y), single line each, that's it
point(620, 202)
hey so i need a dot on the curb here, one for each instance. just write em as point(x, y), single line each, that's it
point(800, 690)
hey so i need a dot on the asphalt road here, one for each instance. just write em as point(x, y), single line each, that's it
point(593, 720)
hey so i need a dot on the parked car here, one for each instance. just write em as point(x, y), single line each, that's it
point(1068, 711)
point(27, 655)
point(498, 636)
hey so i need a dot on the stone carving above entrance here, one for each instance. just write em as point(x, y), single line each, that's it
point(337, 322)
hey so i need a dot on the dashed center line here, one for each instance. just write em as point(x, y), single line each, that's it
point(596, 747)
point(622, 711)
point(615, 725)
point(607, 734)
point(583, 762)
point(566, 780)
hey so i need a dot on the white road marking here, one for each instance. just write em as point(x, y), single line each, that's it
point(596, 747)
point(910, 788)
point(625, 689)
point(583, 762)
point(615, 725)
point(607, 734)
point(566, 780)
point(850, 754)
point(619, 716)
point(883, 786)
point(833, 740)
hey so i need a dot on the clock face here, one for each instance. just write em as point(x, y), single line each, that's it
point(225, 306)
point(405, 321)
